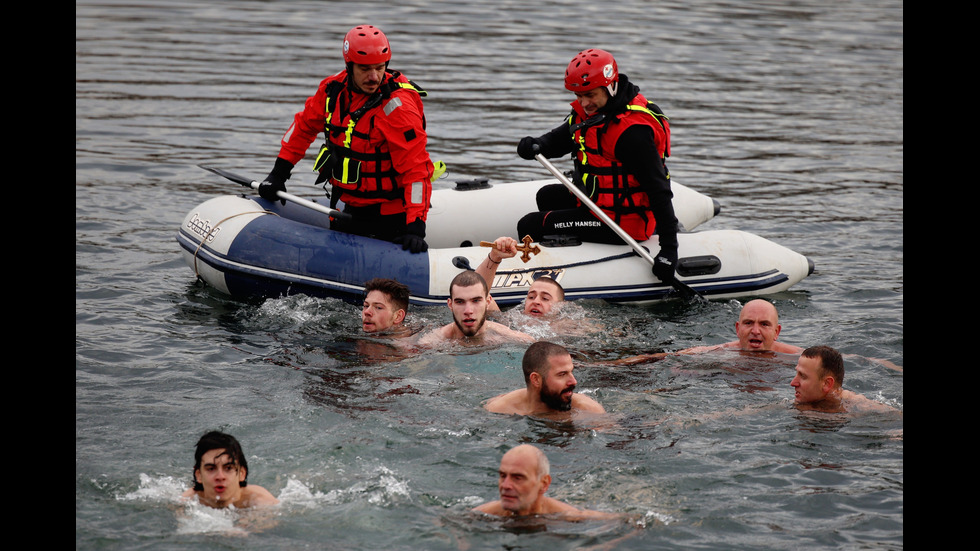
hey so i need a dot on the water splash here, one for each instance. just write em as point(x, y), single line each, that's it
point(164, 489)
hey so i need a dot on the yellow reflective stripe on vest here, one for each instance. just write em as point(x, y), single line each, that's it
point(410, 86)
point(321, 157)
point(656, 116)
point(653, 114)
point(345, 169)
point(585, 156)
point(349, 134)
point(581, 148)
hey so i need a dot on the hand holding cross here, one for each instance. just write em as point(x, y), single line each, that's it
point(526, 250)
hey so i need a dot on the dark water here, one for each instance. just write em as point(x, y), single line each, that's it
point(790, 114)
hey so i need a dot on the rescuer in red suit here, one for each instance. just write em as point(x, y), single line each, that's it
point(374, 156)
point(620, 142)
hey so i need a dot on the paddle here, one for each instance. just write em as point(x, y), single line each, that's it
point(683, 288)
point(462, 263)
point(282, 194)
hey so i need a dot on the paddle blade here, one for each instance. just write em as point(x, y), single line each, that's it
point(685, 290)
point(231, 176)
point(462, 263)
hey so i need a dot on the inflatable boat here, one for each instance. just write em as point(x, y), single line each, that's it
point(245, 246)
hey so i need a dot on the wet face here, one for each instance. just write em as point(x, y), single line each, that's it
point(558, 385)
point(220, 475)
point(378, 313)
point(758, 326)
point(592, 100)
point(541, 298)
point(519, 483)
point(811, 383)
point(367, 78)
point(469, 306)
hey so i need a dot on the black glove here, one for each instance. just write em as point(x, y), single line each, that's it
point(276, 180)
point(528, 147)
point(414, 238)
point(665, 263)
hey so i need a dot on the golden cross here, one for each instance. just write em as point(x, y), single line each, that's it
point(527, 250)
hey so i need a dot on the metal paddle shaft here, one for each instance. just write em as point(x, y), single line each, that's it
point(676, 283)
point(247, 182)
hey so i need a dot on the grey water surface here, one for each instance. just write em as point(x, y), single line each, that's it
point(790, 114)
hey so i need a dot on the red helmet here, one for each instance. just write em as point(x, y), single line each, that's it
point(366, 45)
point(590, 69)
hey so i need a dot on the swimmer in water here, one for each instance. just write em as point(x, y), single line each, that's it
point(468, 299)
point(757, 329)
point(818, 384)
point(544, 295)
point(550, 385)
point(385, 307)
point(220, 475)
point(524, 477)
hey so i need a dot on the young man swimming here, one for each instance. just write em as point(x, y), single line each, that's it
point(221, 473)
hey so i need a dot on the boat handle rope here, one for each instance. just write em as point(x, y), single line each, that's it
point(216, 226)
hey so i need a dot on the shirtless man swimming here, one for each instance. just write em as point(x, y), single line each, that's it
point(469, 297)
point(543, 295)
point(220, 475)
point(524, 477)
point(818, 384)
point(385, 307)
point(757, 329)
point(550, 385)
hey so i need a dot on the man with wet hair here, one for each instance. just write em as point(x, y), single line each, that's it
point(818, 384)
point(524, 477)
point(221, 473)
point(543, 296)
point(385, 305)
point(468, 300)
point(550, 385)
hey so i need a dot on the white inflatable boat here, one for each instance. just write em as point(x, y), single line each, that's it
point(246, 246)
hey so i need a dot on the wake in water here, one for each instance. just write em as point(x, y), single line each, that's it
point(380, 487)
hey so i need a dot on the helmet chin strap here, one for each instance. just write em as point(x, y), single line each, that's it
point(613, 88)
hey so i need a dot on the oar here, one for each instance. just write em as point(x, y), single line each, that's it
point(281, 194)
point(682, 287)
point(462, 263)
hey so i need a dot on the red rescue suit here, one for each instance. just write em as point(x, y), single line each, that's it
point(376, 152)
point(602, 176)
